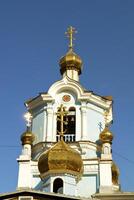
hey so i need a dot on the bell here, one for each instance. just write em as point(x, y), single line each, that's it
point(72, 119)
point(66, 119)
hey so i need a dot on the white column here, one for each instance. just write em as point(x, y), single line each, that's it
point(24, 174)
point(71, 73)
point(78, 124)
point(105, 176)
point(54, 127)
point(83, 121)
point(49, 122)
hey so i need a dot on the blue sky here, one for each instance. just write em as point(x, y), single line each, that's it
point(31, 43)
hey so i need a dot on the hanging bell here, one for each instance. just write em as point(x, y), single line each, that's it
point(72, 119)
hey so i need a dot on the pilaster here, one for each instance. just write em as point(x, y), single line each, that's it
point(49, 122)
point(24, 175)
point(105, 176)
point(83, 121)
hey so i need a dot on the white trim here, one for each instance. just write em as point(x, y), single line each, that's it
point(25, 198)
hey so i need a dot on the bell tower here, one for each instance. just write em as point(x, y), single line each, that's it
point(69, 141)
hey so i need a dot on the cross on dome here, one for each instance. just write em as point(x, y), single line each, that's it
point(70, 32)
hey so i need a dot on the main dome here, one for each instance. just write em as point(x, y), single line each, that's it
point(71, 61)
point(61, 158)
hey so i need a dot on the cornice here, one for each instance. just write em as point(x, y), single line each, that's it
point(67, 84)
point(114, 196)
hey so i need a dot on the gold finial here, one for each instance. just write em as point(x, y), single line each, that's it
point(69, 33)
point(61, 113)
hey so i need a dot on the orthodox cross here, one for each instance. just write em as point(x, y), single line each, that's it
point(69, 33)
point(60, 117)
point(100, 126)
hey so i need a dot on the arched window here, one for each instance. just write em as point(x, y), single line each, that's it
point(69, 126)
point(106, 150)
point(58, 186)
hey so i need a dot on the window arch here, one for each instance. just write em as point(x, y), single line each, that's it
point(58, 186)
point(72, 109)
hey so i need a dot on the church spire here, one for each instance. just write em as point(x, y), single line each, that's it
point(71, 63)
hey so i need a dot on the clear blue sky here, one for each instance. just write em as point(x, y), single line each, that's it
point(32, 41)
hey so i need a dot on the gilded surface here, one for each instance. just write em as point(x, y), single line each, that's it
point(106, 135)
point(71, 60)
point(59, 158)
point(27, 138)
point(60, 117)
point(115, 174)
point(69, 33)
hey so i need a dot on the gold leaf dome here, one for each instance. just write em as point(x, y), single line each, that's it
point(27, 137)
point(61, 158)
point(70, 61)
point(106, 135)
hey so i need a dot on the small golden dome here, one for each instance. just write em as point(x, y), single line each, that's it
point(61, 158)
point(27, 138)
point(70, 61)
point(115, 174)
point(106, 135)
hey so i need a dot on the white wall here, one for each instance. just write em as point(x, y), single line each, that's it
point(94, 117)
point(87, 186)
point(39, 126)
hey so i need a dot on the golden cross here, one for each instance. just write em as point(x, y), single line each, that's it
point(61, 113)
point(69, 33)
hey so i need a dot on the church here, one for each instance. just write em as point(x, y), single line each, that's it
point(67, 146)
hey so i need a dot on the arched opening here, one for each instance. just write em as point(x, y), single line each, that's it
point(68, 126)
point(58, 186)
point(106, 150)
point(71, 123)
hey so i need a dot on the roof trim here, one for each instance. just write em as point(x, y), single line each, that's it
point(36, 193)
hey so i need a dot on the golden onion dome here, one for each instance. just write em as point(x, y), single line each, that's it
point(115, 174)
point(70, 61)
point(106, 135)
point(61, 158)
point(27, 137)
